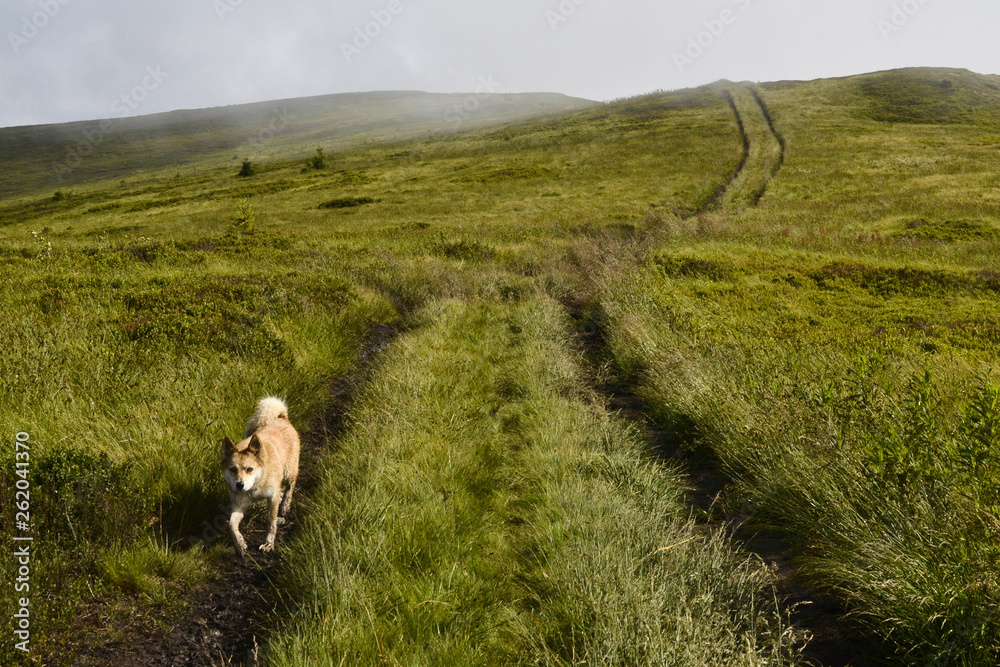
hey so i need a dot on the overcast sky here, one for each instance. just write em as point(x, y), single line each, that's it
point(63, 60)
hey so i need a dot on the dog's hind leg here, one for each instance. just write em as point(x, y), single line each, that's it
point(272, 505)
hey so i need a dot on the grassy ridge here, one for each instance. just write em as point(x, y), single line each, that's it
point(483, 510)
point(852, 180)
point(932, 96)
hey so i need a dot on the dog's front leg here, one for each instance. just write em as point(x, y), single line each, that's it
point(234, 529)
point(272, 505)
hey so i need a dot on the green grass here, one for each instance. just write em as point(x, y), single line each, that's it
point(131, 362)
point(833, 350)
point(148, 316)
point(820, 324)
point(881, 475)
point(484, 510)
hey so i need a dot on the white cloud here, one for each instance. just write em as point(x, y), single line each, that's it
point(90, 53)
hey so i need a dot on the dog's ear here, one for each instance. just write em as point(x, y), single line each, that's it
point(254, 446)
point(227, 446)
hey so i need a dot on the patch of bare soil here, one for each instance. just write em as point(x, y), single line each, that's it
point(218, 627)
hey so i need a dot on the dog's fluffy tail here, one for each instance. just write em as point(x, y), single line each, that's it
point(267, 411)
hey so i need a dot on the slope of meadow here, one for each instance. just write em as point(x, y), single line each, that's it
point(797, 281)
point(148, 316)
point(47, 157)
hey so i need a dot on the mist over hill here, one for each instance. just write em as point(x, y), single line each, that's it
point(61, 155)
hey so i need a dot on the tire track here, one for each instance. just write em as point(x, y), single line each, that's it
point(721, 191)
point(834, 641)
point(763, 153)
point(766, 111)
point(771, 126)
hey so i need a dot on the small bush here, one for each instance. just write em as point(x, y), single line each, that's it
point(514, 173)
point(110, 206)
point(463, 249)
point(245, 216)
point(248, 169)
point(948, 231)
point(88, 498)
point(319, 160)
point(348, 202)
point(144, 570)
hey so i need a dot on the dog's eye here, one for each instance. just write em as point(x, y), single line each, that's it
point(249, 470)
point(234, 470)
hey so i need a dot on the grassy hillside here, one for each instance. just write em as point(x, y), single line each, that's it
point(171, 303)
point(61, 156)
point(506, 347)
point(933, 96)
point(834, 350)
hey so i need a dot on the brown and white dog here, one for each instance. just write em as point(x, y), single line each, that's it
point(261, 466)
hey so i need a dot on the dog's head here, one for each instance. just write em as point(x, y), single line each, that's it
point(241, 463)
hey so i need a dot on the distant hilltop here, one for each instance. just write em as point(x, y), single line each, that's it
point(51, 156)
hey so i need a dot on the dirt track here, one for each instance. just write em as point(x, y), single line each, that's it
point(227, 618)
